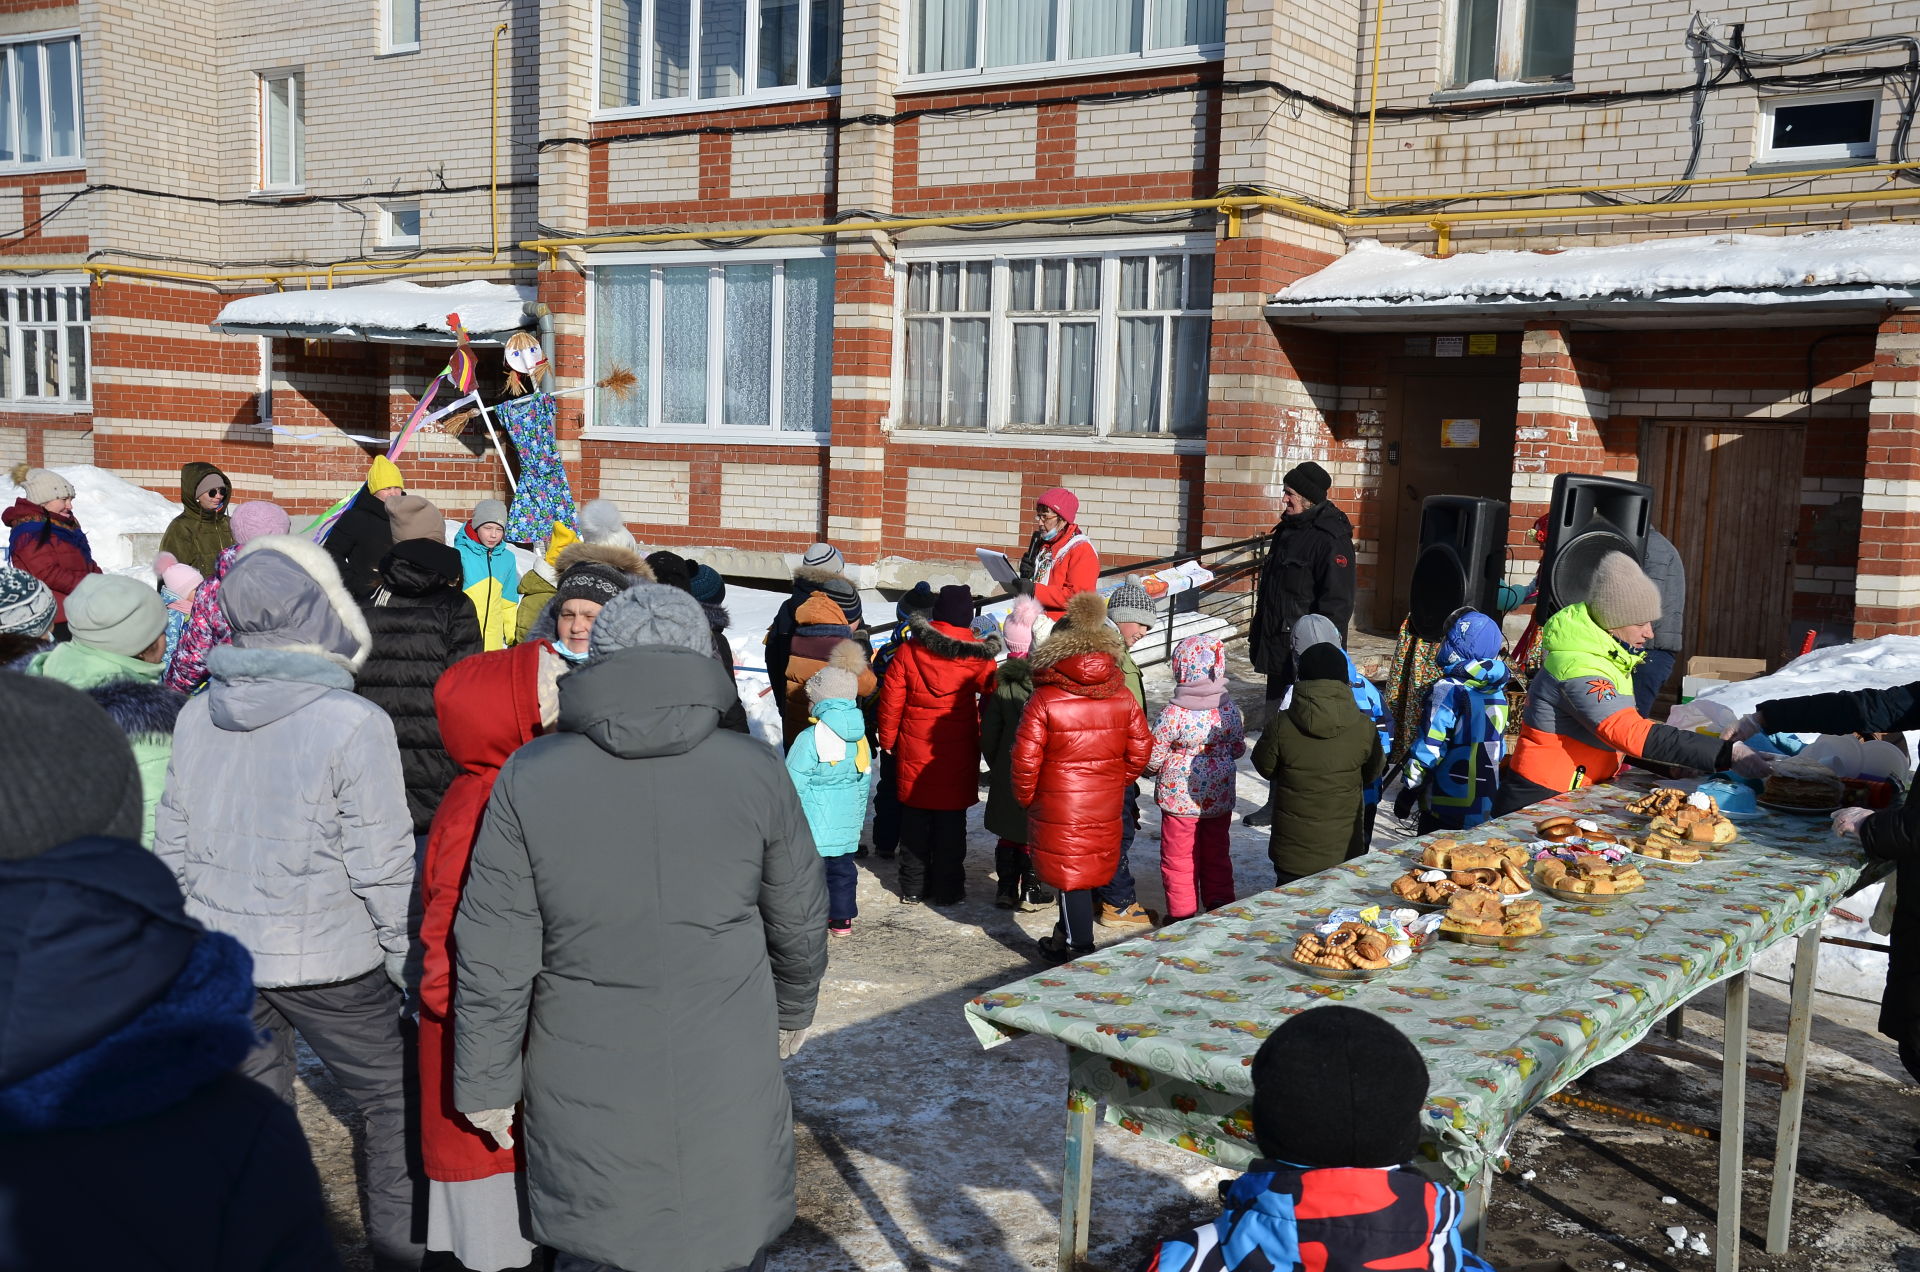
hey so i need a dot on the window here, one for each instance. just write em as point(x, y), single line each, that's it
point(738, 345)
point(400, 225)
point(399, 26)
point(1060, 340)
point(40, 102)
point(1497, 43)
point(655, 53)
point(960, 36)
point(1822, 126)
point(283, 131)
point(43, 341)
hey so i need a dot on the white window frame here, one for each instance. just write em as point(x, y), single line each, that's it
point(390, 47)
point(770, 435)
point(1765, 151)
point(1000, 337)
point(390, 233)
point(1509, 51)
point(1179, 55)
point(65, 162)
point(297, 104)
point(692, 105)
point(64, 292)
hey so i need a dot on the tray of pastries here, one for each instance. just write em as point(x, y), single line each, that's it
point(1480, 916)
point(1804, 788)
point(1354, 945)
point(1583, 829)
point(1587, 877)
point(1451, 854)
point(1430, 887)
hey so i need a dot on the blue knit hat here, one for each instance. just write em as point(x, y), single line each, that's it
point(705, 583)
point(1472, 637)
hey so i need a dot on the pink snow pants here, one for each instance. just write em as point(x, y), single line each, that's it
point(1190, 847)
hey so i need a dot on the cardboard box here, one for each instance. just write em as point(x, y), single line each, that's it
point(1727, 670)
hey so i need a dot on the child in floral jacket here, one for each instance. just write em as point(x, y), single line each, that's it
point(1195, 744)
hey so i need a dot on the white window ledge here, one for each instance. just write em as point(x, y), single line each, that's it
point(1495, 93)
point(30, 406)
point(398, 50)
point(706, 105)
point(1148, 444)
point(76, 164)
point(947, 81)
point(278, 194)
point(704, 437)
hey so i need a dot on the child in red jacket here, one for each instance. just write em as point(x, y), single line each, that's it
point(46, 539)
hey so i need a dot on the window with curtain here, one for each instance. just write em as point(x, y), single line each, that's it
point(960, 36)
point(1512, 41)
point(44, 333)
point(400, 26)
point(40, 103)
point(656, 53)
point(283, 130)
point(1059, 340)
point(723, 345)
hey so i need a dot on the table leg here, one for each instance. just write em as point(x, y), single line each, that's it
point(1473, 1221)
point(1733, 1127)
point(1786, 1152)
point(1076, 1185)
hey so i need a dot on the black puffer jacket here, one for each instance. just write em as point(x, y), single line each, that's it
point(1308, 570)
point(422, 624)
point(359, 540)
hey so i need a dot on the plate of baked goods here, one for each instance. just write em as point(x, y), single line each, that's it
point(1808, 789)
point(1481, 916)
point(1445, 853)
point(1353, 945)
point(1581, 830)
point(1589, 878)
point(1433, 888)
point(1675, 852)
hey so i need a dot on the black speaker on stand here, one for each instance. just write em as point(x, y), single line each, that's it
point(1590, 517)
point(1462, 557)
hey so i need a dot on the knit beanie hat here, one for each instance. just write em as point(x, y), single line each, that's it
point(650, 614)
point(589, 581)
point(671, 568)
point(823, 557)
point(179, 577)
point(415, 517)
point(488, 512)
point(1130, 603)
point(26, 605)
point(705, 583)
point(42, 485)
point(1061, 500)
point(257, 517)
point(1336, 1086)
point(116, 613)
point(70, 772)
point(1309, 481)
point(1622, 595)
point(601, 522)
point(840, 678)
point(847, 597)
point(954, 606)
point(1471, 637)
point(211, 482)
point(1199, 658)
point(1017, 631)
point(384, 474)
point(918, 599)
point(1323, 662)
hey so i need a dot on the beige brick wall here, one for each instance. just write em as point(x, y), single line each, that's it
point(67, 446)
point(783, 165)
point(13, 449)
point(1131, 517)
point(961, 506)
point(1157, 134)
point(775, 498)
point(654, 171)
point(647, 490)
point(964, 151)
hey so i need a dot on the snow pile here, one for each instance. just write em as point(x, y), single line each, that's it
point(483, 307)
point(1868, 255)
point(1881, 663)
point(1845, 970)
point(750, 612)
point(109, 509)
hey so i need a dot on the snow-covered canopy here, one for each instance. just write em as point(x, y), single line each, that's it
point(1871, 261)
point(381, 311)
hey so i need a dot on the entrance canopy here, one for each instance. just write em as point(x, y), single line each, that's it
point(1723, 280)
point(390, 313)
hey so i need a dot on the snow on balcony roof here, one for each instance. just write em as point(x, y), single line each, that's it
point(380, 311)
point(1723, 267)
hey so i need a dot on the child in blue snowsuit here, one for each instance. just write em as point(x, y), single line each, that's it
point(1453, 768)
point(1314, 629)
point(828, 764)
point(1337, 1094)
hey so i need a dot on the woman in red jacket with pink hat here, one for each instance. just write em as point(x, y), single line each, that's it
point(1060, 561)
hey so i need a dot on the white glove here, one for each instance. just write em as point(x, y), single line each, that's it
point(495, 1122)
point(791, 1041)
point(1757, 765)
point(1745, 727)
point(1846, 821)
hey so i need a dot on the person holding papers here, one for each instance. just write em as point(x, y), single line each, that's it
point(1060, 561)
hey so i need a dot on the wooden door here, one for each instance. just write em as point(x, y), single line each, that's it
point(1728, 495)
point(1446, 433)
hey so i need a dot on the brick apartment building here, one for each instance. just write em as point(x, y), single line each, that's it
point(884, 271)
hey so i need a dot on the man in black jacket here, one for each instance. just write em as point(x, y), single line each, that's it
point(364, 532)
point(1308, 570)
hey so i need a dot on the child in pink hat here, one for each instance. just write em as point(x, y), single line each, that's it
point(1195, 743)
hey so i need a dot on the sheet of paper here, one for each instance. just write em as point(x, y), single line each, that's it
point(998, 566)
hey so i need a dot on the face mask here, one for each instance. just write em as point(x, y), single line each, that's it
point(1048, 536)
point(576, 659)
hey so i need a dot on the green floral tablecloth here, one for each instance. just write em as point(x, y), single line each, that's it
point(1162, 1028)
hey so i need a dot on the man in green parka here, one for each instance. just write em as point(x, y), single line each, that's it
point(200, 533)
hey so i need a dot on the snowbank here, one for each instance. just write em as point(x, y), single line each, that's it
point(1843, 969)
point(750, 612)
point(1881, 663)
point(483, 307)
point(109, 509)
point(1730, 263)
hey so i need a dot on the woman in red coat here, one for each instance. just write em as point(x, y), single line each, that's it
point(930, 720)
point(45, 540)
point(489, 705)
point(1060, 561)
point(1082, 741)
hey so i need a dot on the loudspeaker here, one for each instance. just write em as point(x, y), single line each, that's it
point(1463, 554)
point(1590, 517)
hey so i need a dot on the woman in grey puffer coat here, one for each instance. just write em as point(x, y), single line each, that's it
point(285, 820)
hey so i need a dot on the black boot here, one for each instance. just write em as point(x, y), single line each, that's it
point(1261, 816)
point(1007, 865)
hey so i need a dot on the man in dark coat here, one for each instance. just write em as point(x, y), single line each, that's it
point(639, 944)
point(127, 1138)
point(364, 532)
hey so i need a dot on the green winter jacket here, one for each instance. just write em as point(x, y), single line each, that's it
point(197, 537)
point(131, 693)
point(999, 721)
point(1319, 753)
point(1131, 670)
point(536, 589)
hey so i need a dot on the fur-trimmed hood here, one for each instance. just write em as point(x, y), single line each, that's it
point(625, 559)
point(285, 593)
point(717, 616)
point(815, 575)
point(141, 708)
point(942, 644)
point(1084, 630)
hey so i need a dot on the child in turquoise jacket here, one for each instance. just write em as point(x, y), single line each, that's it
point(828, 763)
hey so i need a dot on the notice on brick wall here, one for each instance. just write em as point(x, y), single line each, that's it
point(1460, 434)
point(1483, 345)
point(1449, 346)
